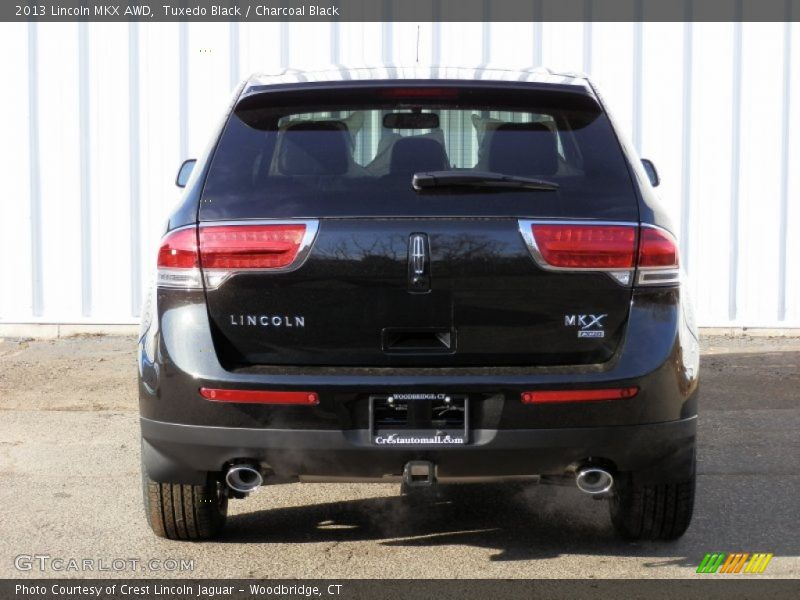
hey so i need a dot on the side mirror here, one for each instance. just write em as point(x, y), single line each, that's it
point(185, 172)
point(651, 171)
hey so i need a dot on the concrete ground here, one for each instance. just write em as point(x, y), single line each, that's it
point(69, 488)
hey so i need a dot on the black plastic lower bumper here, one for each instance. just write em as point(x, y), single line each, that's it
point(657, 452)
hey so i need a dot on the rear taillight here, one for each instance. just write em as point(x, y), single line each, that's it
point(179, 250)
point(178, 260)
point(615, 248)
point(586, 246)
point(241, 247)
point(658, 257)
point(225, 250)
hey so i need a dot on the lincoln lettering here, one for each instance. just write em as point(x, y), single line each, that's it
point(267, 321)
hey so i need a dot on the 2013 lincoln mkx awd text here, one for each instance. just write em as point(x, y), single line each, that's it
point(423, 276)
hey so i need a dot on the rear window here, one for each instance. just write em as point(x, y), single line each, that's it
point(354, 153)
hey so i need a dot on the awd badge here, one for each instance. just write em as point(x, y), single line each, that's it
point(589, 326)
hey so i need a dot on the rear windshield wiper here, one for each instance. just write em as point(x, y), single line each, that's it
point(431, 180)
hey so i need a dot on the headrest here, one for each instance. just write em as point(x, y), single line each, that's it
point(313, 148)
point(525, 149)
point(417, 154)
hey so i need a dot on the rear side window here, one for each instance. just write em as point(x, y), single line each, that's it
point(354, 154)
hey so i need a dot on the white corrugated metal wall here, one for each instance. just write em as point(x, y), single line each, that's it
point(97, 117)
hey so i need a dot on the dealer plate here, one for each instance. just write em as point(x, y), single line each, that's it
point(419, 419)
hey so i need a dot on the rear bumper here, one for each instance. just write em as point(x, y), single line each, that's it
point(652, 433)
point(659, 355)
point(658, 452)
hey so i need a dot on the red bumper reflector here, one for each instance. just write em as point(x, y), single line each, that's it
point(544, 396)
point(259, 397)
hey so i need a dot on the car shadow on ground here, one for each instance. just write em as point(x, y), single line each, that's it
point(518, 523)
point(746, 496)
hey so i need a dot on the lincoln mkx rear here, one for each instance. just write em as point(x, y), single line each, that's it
point(425, 280)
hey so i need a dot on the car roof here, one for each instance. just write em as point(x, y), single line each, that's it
point(261, 82)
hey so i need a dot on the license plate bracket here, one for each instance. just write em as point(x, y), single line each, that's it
point(416, 419)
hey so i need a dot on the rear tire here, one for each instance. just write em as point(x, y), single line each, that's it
point(652, 512)
point(185, 512)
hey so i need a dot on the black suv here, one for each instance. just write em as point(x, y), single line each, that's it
point(439, 276)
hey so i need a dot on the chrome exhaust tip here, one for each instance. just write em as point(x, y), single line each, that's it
point(593, 480)
point(243, 478)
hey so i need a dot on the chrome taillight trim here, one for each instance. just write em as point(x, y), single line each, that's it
point(214, 278)
point(623, 277)
point(181, 279)
point(658, 276)
point(653, 276)
point(646, 276)
point(178, 278)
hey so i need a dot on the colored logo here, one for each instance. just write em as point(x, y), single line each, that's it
point(738, 562)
